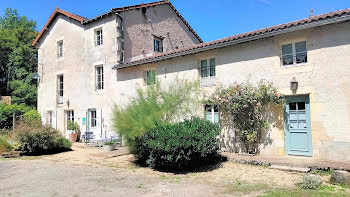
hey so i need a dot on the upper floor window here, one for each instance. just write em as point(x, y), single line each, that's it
point(60, 89)
point(150, 77)
point(158, 45)
point(294, 53)
point(60, 49)
point(207, 69)
point(98, 37)
point(99, 78)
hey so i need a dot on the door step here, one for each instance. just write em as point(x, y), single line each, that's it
point(290, 168)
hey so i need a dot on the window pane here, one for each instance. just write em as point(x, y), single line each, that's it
point(216, 117)
point(301, 105)
point(292, 106)
point(212, 66)
point(300, 46)
point(287, 49)
point(204, 68)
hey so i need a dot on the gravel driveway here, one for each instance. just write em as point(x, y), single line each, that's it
point(87, 171)
point(48, 178)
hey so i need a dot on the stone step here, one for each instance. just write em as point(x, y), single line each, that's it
point(290, 168)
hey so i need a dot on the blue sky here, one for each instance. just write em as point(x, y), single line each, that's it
point(211, 19)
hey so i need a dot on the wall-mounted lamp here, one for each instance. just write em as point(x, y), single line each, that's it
point(293, 84)
point(67, 101)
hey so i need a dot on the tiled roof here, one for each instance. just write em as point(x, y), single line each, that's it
point(84, 20)
point(170, 54)
point(53, 15)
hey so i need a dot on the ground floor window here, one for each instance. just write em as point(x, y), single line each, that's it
point(93, 118)
point(69, 116)
point(212, 113)
point(50, 118)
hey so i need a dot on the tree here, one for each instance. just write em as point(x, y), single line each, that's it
point(17, 58)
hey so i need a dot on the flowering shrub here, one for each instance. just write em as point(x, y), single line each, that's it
point(242, 106)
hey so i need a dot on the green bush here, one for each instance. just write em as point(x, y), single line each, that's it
point(154, 104)
point(62, 143)
point(180, 145)
point(32, 117)
point(6, 114)
point(311, 182)
point(4, 144)
point(38, 139)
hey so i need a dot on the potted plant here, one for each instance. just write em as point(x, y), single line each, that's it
point(109, 145)
point(74, 127)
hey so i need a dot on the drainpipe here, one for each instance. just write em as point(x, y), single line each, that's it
point(122, 34)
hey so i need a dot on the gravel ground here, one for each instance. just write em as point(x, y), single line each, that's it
point(89, 172)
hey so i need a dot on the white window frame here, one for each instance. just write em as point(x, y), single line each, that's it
point(157, 45)
point(98, 34)
point(294, 54)
point(50, 113)
point(146, 76)
point(99, 81)
point(60, 91)
point(69, 116)
point(93, 120)
point(60, 49)
point(210, 79)
point(212, 113)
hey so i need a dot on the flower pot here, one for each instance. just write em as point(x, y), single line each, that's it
point(73, 137)
point(109, 147)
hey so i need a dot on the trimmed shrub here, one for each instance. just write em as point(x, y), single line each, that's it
point(4, 144)
point(38, 139)
point(311, 182)
point(180, 145)
point(62, 143)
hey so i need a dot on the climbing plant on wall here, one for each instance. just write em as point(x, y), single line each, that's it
point(243, 106)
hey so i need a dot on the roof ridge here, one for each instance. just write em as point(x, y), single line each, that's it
point(246, 34)
point(125, 8)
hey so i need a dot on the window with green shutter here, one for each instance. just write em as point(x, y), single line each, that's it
point(150, 77)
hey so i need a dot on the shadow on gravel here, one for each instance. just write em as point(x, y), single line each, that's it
point(45, 152)
point(204, 165)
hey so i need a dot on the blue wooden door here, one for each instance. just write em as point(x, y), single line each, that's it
point(297, 126)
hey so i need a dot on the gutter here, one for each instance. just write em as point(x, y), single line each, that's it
point(236, 41)
point(122, 60)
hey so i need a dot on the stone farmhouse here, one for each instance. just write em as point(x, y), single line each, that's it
point(88, 65)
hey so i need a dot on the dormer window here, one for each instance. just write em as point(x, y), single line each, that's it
point(98, 37)
point(158, 45)
point(60, 49)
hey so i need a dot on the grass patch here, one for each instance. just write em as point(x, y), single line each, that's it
point(140, 185)
point(244, 187)
point(324, 191)
point(322, 172)
point(171, 179)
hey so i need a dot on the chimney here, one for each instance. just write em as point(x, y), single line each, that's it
point(311, 12)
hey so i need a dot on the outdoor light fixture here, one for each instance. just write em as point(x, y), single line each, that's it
point(293, 84)
point(67, 101)
point(36, 76)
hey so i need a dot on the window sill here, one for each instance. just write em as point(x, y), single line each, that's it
point(100, 91)
point(294, 65)
point(60, 59)
point(208, 81)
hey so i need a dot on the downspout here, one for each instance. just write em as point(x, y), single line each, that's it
point(122, 35)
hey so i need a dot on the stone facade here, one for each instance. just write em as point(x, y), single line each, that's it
point(324, 78)
point(81, 57)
